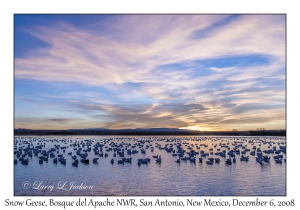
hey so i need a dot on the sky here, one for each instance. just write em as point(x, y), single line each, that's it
point(199, 72)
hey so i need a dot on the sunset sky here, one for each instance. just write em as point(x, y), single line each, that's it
point(200, 72)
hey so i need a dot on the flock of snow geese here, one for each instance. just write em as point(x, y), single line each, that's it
point(209, 150)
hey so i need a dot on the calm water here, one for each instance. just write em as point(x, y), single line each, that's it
point(155, 179)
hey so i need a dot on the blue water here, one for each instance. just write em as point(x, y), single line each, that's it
point(154, 179)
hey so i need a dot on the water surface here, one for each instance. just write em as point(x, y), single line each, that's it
point(154, 179)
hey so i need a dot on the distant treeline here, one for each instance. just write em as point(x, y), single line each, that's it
point(148, 132)
point(269, 132)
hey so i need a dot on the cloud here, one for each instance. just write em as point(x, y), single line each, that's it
point(46, 123)
point(163, 114)
point(59, 120)
point(149, 110)
point(221, 69)
point(161, 69)
point(87, 57)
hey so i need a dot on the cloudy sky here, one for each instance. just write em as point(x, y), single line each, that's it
point(200, 72)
